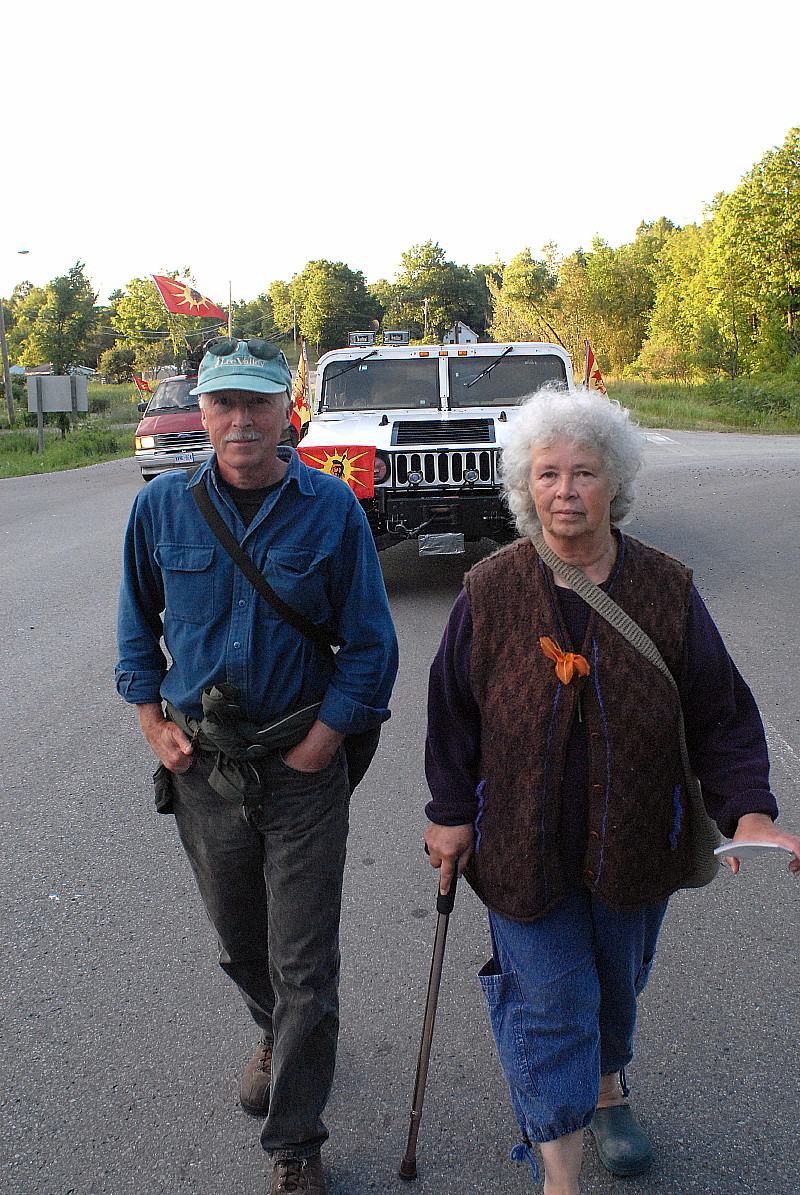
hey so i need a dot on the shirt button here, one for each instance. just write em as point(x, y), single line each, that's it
point(593, 834)
point(242, 602)
point(237, 644)
point(597, 788)
point(590, 876)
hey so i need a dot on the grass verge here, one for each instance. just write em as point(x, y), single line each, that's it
point(90, 444)
point(98, 437)
point(764, 405)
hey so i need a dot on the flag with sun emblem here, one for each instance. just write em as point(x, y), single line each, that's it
point(301, 411)
point(144, 388)
point(182, 299)
point(594, 378)
point(354, 463)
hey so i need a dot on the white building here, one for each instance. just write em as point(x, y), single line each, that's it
point(460, 334)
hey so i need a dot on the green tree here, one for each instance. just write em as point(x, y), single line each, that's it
point(104, 335)
point(254, 317)
point(683, 328)
point(61, 329)
point(757, 257)
point(118, 364)
point(570, 307)
point(726, 325)
point(20, 312)
point(621, 292)
point(430, 293)
point(521, 297)
point(329, 299)
point(283, 311)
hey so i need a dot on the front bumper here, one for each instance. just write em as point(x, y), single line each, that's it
point(475, 514)
point(153, 461)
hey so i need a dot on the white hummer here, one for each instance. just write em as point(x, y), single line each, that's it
point(438, 417)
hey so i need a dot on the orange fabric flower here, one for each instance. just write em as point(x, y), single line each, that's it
point(567, 662)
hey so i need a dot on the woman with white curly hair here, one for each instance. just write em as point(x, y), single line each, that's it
point(561, 759)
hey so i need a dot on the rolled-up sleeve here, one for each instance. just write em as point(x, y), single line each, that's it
point(357, 697)
point(724, 732)
point(142, 665)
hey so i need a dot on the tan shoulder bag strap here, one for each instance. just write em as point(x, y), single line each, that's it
point(705, 835)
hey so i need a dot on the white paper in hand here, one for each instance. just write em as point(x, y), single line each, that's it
point(748, 850)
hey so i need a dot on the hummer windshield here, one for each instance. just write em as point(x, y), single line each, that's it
point(510, 379)
point(173, 395)
point(381, 384)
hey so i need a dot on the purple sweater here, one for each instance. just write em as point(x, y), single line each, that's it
point(724, 733)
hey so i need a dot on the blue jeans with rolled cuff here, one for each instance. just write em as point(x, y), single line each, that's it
point(562, 995)
point(271, 883)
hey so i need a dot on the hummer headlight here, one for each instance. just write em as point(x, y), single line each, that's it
point(380, 469)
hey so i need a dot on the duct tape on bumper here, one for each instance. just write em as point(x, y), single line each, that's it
point(447, 543)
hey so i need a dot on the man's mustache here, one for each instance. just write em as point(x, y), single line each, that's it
point(249, 434)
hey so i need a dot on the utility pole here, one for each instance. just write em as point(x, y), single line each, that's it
point(425, 320)
point(6, 366)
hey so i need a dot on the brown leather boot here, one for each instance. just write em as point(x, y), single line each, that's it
point(298, 1176)
point(254, 1087)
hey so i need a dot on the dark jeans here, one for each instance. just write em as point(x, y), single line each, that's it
point(272, 888)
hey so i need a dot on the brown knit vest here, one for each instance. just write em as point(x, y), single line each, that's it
point(638, 849)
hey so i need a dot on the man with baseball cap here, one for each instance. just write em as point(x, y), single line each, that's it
point(261, 729)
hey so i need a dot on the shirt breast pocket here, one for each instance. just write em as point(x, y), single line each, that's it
point(296, 575)
point(188, 581)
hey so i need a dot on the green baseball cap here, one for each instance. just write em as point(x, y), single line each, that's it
point(230, 364)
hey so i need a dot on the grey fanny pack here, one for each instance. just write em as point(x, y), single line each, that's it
point(238, 744)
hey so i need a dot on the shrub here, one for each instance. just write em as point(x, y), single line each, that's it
point(757, 395)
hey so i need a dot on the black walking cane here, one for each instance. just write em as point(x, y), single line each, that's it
point(444, 907)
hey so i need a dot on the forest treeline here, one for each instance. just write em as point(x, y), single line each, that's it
point(716, 298)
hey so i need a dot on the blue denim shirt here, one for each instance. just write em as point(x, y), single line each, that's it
point(312, 541)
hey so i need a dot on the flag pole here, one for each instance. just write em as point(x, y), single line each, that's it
point(586, 383)
point(230, 309)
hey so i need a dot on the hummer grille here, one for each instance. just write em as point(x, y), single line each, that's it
point(444, 468)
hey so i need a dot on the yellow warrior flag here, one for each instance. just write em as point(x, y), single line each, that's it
point(594, 378)
point(301, 411)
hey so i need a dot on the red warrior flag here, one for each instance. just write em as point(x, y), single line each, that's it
point(354, 463)
point(301, 411)
point(142, 386)
point(594, 378)
point(182, 299)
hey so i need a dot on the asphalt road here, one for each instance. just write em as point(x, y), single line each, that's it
point(123, 1042)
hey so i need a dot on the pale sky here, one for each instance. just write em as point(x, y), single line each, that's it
point(244, 141)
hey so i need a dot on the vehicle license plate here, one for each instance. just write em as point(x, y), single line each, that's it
point(183, 458)
point(448, 543)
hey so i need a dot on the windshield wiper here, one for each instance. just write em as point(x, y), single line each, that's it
point(352, 365)
point(488, 368)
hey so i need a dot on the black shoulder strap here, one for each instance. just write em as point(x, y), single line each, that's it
point(256, 578)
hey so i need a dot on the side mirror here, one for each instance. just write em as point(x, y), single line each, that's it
point(141, 406)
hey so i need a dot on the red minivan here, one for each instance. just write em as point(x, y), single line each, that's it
point(171, 433)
